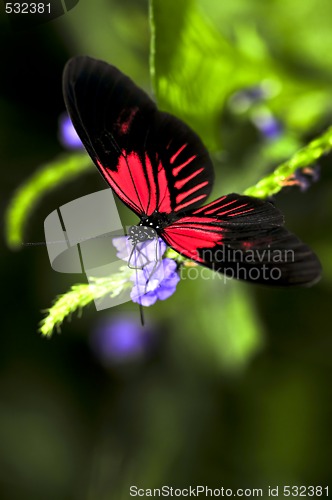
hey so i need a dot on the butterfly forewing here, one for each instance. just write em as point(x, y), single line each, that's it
point(152, 160)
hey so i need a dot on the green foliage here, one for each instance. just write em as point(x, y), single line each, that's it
point(190, 66)
point(47, 178)
point(195, 69)
point(227, 332)
point(110, 36)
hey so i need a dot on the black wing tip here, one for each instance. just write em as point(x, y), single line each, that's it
point(80, 65)
point(75, 63)
point(305, 278)
point(306, 270)
point(80, 60)
point(311, 273)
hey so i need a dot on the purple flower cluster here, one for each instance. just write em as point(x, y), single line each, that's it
point(156, 281)
point(252, 100)
point(142, 253)
point(304, 177)
point(154, 278)
point(244, 99)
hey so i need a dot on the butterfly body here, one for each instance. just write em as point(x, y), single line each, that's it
point(157, 220)
point(141, 233)
point(162, 171)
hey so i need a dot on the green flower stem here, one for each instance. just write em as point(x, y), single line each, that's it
point(273, 183)
point(81, 295)
point(24, 201)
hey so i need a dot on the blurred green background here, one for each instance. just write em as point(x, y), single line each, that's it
point(232, 386)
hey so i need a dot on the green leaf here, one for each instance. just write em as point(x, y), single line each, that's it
point(191, 66)
point(27, 196)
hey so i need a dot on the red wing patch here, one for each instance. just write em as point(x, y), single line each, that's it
point(125, 120)
point(229, 217)
point(133, 182)
point(234, 208)
point(190, 234)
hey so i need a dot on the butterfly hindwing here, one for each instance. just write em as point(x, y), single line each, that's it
point(244, 238)
point(152, 160)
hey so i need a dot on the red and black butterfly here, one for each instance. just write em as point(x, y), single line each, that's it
point(161, 170)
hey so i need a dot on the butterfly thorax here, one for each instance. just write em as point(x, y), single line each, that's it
point(149, 227)
point(140, 233)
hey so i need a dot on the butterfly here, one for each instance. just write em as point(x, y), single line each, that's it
point(159, 167)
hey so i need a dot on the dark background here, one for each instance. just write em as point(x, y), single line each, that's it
point(234, 390)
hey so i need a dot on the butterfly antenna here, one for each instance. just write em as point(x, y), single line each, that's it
point(141, 313)
point(156, 262)
point(130, 257)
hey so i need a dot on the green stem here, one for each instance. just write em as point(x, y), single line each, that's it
point(44, 180)
point(274, 182)
point(81, 295)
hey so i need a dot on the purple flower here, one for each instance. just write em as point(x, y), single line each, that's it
point(314, 171)
point(255, 93)
point(302, 180)
point(244, 99)
point(154, 278)
point(268, 126)
point(304, 177)
point(67, 134)
point(122, 244)
point(249, 97)
point(121, 338)
point(156, 281)
point(146, 252)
